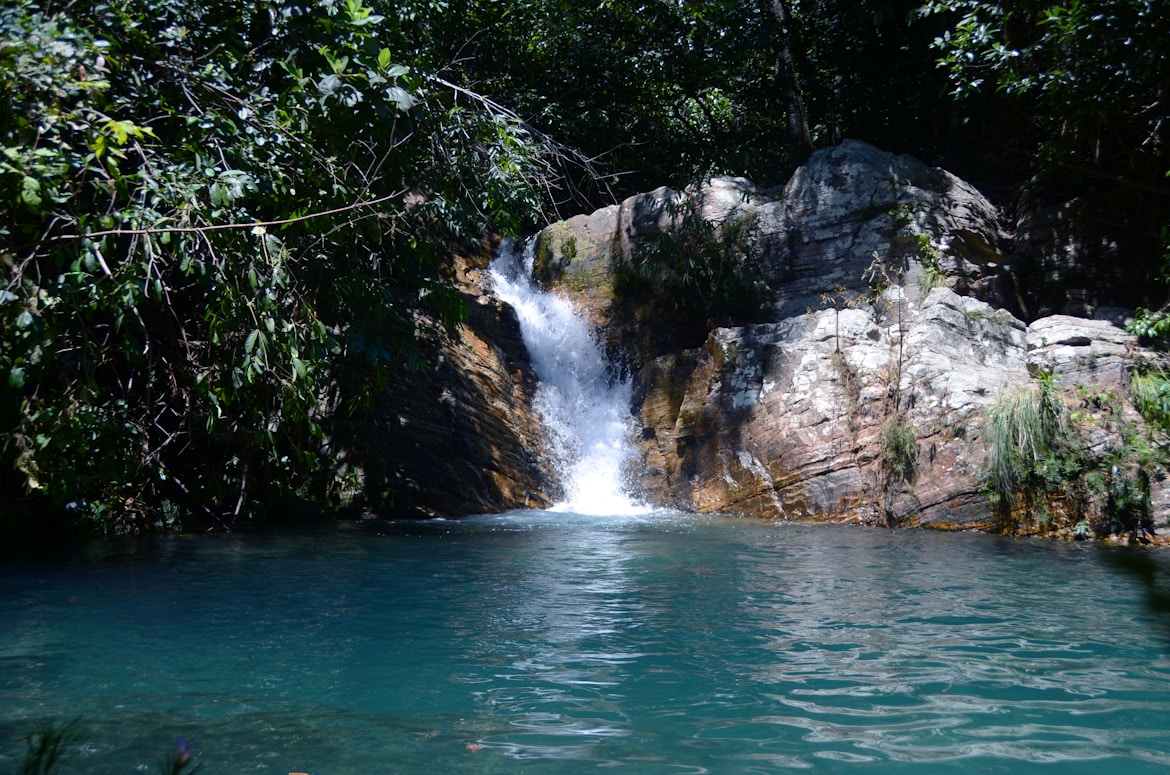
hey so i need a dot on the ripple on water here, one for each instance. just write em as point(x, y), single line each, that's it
point(546, 643)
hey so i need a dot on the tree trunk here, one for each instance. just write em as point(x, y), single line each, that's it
point(789, 83)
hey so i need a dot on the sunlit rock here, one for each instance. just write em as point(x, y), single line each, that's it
point(895, 300)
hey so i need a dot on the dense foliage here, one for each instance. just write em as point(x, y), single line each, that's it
point(222, 223)
point(1044, 474)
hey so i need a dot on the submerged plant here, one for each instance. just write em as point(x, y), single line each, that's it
point(46, 747)
point(180, 760)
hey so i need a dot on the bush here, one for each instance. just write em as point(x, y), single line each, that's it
point(696, 271)
point(1038, 451)
point(899, 449)
point(1151, 396)
point(1033, 446)
point(220, 223)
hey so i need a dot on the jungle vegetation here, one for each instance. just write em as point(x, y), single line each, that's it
point(222, 221)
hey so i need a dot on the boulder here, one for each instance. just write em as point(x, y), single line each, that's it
point(788, 420)
point(818, 238)
point(785, 419)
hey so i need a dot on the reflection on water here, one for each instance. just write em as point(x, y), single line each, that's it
point(559, 643)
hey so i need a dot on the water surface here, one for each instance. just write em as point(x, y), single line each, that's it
point(557, 643)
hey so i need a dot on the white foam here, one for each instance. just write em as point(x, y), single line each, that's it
point(584, 407)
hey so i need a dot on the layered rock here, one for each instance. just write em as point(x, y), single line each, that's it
point(894, 312)
point(786, 420)
point(817, 237)
point(461, 435)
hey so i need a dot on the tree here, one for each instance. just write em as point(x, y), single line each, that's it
point(1084, 83)
point(1074, 96)
point(789, 83)
point(221, 222)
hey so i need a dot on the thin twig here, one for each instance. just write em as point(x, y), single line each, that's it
point(223, 226)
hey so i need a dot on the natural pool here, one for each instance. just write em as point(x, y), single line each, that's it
point(556, 643)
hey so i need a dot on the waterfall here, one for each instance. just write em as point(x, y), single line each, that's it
point(585, 409)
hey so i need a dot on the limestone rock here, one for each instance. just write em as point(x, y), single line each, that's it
point(1080, 350)
point(784, 419)
point(817, 237)
point(853, 202)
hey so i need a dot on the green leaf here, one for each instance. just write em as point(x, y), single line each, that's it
point(30, 192)
point(401, 98)
point(384, 58)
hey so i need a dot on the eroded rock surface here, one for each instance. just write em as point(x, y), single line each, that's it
point(784, 420)
point(818, 236)
point(460, 436)
point(893, 303)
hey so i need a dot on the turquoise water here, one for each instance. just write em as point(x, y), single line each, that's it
point(557, 643)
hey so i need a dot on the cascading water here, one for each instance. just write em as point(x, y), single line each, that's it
point(584, 408)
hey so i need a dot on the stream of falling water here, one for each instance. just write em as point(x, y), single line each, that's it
point(584, 407)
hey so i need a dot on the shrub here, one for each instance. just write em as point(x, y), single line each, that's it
point(899, 449)
point(698, 270)
point(1032, 442)
point(1151, 397)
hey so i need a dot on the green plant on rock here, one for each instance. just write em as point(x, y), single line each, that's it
point(697, 270)
point(885, 279)
point(1039, 453)
point(899, 446)
point(1034, 448)
point(934, 276)
point(1150, 392)
point(1155, 324)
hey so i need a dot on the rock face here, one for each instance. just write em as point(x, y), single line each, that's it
point(894, 332)
point(817, 236)
point(896, 328)
point(460, 436)
point(785, 420)
point(788, 420)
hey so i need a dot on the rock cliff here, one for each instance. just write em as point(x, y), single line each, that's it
point(894, 329)
point(459, 436)
point(890, 364)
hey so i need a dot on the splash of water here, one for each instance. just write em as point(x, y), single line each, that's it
point(584, 408)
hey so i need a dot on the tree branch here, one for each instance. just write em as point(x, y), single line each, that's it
point(224, 226)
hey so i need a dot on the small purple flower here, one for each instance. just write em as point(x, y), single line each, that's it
point(183, 755)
